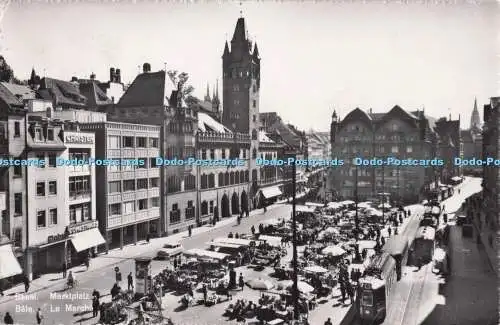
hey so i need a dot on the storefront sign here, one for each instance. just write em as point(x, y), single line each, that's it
point(73, 229)
point(79, 139)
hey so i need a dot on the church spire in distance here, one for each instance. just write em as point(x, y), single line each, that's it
point(475, 120)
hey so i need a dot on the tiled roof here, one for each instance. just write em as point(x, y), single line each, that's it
point(22, 91)
point(94, 94)
point(9, 98)
point(62, 92)
point(149, 89)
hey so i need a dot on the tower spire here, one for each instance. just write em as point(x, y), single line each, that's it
point(217, 89)
point(241, 9)
point(207, 95)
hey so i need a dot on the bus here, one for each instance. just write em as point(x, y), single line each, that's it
point(375, 288)
point(424, 244)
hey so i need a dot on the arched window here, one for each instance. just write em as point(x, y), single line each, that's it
point(231, 175)
point(247, 176)
point(254, 175)
point(226, 178)
point(236, 177)
point(204, 208)
point(204, 181)
point(254, 134)
point(221, 179)
point(254, 153)
point(242, 177)
point(211, 181)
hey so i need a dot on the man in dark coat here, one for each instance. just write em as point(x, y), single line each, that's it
point(241, 282)
point(8, 318)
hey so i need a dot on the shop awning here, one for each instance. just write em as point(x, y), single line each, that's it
point(9, 266)
point(87, 239)
point(270, 192)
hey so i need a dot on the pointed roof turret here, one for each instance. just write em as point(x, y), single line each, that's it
point(239, 31)
point(256, 52)
point(226, 51)
point(207, 95)
point(217, 89)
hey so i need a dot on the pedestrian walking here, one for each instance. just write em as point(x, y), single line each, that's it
point(328, 321)
point(241, 282)
point(39, 316)
point(8, 318)
point(247, 213)
point(148, 238)
point(342, 291)
point(205, 292)
point(130, 280)
point(190, 230)
point(389, 231)
point(95, 307)
point(396, 231)
point(87, 262)
point(64, 270)
point(350, 292)
point(253, 230)
point(26, 282)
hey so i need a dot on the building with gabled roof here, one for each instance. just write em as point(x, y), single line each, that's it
point(397, 133)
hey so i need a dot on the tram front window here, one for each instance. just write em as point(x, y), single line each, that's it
point(367, 299)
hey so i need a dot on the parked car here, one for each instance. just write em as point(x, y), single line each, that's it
point(170, 250)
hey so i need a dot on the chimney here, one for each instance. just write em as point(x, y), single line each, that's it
point(92, 76)
point(118, 76)
point(146, 67)
point(74, 79)
point(112, 75)
point(371, 111)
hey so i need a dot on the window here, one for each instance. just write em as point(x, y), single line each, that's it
point(114, 142)
point(203, 154)
point(86, 212)
point(244, 153)
point(212, 154)
point(18, 203)
point(254, 153)
point(38, 134)
point(72, 215)
point(143, 204)
point(204, 208)
point(128, 207)
point(211, 181)
point(115, 209)
point(128, 185)
point(211, 207)
point(17, 129)
point(112, 168)
point(140, 142)
point(394, 149)
point(153, 143)
point(154, 182)
point(52, 188)
point(79, 185)
point(254, 134)
point(155, 202)
point(41, 161)
point(236, 87)
point(204, 182)
point(254, 175)
point(173, 184)
point(152, 163)
point(52, 161)
point(114, 187)
point(221, 179)
point(18, 233)
point(223, 154)
point(254, 103)
point(41, 219)
point(128, 142)
point(175, 214)
point(142, 184)
point(190, 211)
point(53, 216)
point(189, 182)
point(395, 127)
point(247, 176)
point(226, 178)
point(254, 88)
point(409, 149)
point(231, 178)
point(236, 102)
point(242, 177)
point(40, 189)
point(18, 171)
point(254, 116)
point(50, 134)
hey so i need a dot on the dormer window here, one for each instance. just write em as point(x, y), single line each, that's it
point(38, 134)
point(50, 134)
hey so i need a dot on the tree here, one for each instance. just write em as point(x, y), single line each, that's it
point(180, 80)
point(6, 73)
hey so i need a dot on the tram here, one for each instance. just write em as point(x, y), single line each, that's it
point(375, 288)
point(399, 248)
point(424, 244)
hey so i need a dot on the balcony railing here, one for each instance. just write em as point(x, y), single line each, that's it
point(81, 194)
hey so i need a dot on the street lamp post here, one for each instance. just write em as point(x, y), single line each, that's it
point(356, 198)
point(295, 289)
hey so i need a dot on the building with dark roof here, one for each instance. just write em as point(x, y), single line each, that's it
point(397, 133)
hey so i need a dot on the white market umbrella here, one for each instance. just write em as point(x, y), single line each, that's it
point(384, 206)
point(348, 202)
point(366, 205)
point(333, 251)
point(303, 287)
point(260, 284)
point(316, 269)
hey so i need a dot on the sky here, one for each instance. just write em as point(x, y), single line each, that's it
point(316, 57)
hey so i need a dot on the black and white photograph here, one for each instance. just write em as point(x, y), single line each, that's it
point(249, 162)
